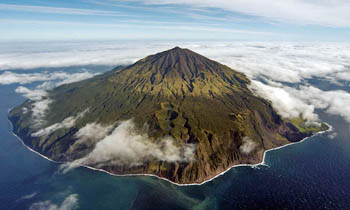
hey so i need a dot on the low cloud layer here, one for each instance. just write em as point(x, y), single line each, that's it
point(248, 146)
point(125, 146)
point(286, 104)
point(66, 123)
point(69, 203)
point(283, 62)
point(9, 77)
point(65, 54)
point(279, 61)
point(335, 102)
point(302, 100)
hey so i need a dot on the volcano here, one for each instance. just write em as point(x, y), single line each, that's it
point(193, 117)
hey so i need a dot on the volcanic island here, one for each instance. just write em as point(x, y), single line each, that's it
point(175, 114)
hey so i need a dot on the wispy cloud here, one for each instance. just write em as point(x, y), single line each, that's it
point(39, 95)
point(66, 123)
point(39, 106)
point(319, 12)
point(69, 203)
point(247, 146)
point(59, 10)
point(28, 196)
point(143, 25)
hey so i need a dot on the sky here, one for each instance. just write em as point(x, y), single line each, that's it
point(258, 20)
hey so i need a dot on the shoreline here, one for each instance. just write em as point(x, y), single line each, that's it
point(262, 163)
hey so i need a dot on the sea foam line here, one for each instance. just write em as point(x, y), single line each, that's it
point(262, 163)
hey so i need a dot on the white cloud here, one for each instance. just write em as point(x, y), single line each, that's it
point(9, 77)
point(292, 102)
point(287, 105)
point(343, 75)
point(69, 203)
point(332, 135)
point(34, 95)
point(40, 103)
point(33, 54)
point(90, 134)
point(125, 146)
point(39, 95)
point(280, 61)
point(320, 12)
point(39, 109)
point(335, 102)
point(66, 123)
point(247, 146)
point(28, 196)
point(94, 131)
point(57, 10)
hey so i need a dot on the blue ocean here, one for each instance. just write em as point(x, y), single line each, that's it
point(313, 174)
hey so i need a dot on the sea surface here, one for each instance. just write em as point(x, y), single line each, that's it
point(314, 174)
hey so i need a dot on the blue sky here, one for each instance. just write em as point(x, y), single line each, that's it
point(290, 20)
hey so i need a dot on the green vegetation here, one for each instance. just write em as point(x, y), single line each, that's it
point(304, 127)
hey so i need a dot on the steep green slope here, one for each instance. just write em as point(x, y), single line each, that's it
point(175, 93)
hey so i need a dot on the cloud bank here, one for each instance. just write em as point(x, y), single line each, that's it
point(9, 77)
point(125, 146)
point(280, 61)
point(335, 102)
point(286, 104)
point(29, 55)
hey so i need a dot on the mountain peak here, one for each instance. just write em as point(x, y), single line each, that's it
point(177, 48)
point(178, 51)
point(181, 62)
point(182, 71)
